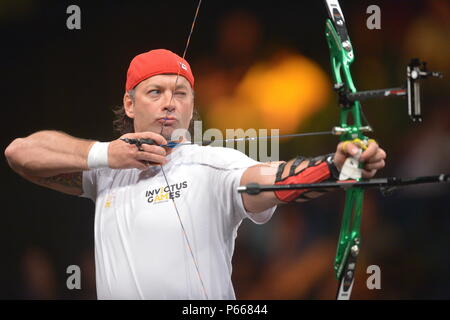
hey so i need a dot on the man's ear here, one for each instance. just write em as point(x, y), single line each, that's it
point(128, 105)
point(192, 113)
point(193, 106)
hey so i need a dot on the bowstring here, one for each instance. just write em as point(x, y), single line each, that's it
point(162, 169)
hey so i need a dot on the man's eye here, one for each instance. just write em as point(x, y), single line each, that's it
point(180, 93)
point(154, 91)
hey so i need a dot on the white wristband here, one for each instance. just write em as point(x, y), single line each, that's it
point(98, 155)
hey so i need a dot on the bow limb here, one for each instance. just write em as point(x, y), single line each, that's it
point(341, 57)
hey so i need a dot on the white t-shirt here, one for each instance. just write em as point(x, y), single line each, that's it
point(140, 249)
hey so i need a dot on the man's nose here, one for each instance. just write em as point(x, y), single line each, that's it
point(169, 102)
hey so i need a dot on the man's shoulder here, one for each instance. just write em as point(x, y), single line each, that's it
point(109, 173)
point(214, 151)
point(216, 155)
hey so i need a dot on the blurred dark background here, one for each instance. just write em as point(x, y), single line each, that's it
point(69, 80)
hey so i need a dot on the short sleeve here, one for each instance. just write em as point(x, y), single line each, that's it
point(90, 184)
point(258, 218)
point(229, 180)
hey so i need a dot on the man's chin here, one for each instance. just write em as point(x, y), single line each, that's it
point(167, 132)
point(174, 134)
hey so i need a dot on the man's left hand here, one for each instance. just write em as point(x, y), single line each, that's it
point(373, 157)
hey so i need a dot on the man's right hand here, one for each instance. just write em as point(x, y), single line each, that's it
point(122, 155)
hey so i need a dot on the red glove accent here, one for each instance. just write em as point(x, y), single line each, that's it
point(311, 174)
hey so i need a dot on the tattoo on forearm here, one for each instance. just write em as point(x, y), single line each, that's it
point(73, 179)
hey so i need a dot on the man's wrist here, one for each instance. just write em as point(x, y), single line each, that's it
point(98, 155)
point(334, 170)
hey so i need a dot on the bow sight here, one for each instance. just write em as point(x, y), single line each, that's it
point(415, 71)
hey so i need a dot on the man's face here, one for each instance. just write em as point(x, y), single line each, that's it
point(157, 98)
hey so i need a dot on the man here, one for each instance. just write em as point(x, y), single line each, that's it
point(166, 219)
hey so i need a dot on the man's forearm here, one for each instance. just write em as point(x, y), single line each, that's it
point(48, 153)
point(298, 170)
point(263, 174)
